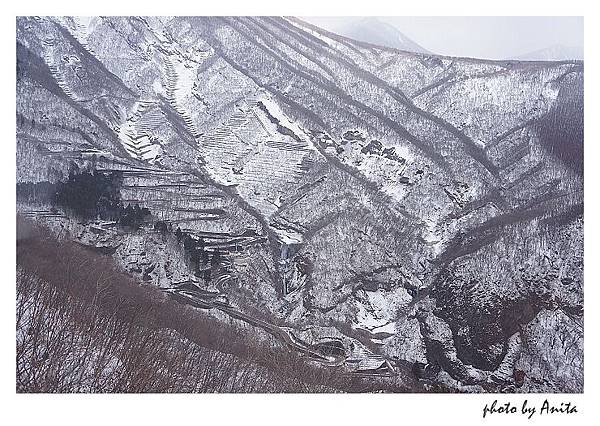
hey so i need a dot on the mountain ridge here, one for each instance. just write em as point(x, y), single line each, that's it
point(388, 190)
point(374, 31)
point(555, 52)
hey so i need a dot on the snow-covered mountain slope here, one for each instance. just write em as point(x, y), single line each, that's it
point(426, 211)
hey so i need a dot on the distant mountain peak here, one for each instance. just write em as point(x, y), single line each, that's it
point(556, 52)
point(373, 30)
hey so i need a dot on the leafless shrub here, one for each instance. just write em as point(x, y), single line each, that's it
point(84, 326)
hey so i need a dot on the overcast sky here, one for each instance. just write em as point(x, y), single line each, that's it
point(492, 37)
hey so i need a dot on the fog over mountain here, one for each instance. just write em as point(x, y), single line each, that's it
point(256, 204)
point(374, 31)
point(485, 37)
point(553, 53)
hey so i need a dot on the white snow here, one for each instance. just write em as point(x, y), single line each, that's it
point(158, 87)
point(431, 237)
point(312, 32)
point(276, 112)
point(288, 236)
point(139, 146)
point(388, 328)
point(186, 76)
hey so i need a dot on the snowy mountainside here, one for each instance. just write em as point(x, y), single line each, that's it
point(425, 212)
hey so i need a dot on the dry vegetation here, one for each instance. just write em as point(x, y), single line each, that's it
point(84, 326)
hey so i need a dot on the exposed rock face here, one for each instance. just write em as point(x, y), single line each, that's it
point(403, 214)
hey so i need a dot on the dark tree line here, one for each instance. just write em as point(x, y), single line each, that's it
point(96, 194)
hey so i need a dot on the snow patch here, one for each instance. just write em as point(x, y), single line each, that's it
point(140, 146)
point(158, 87)
point(276, 112)
point(431, 238)
point(186, 76)
point(388, 328)
point(288, 236)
